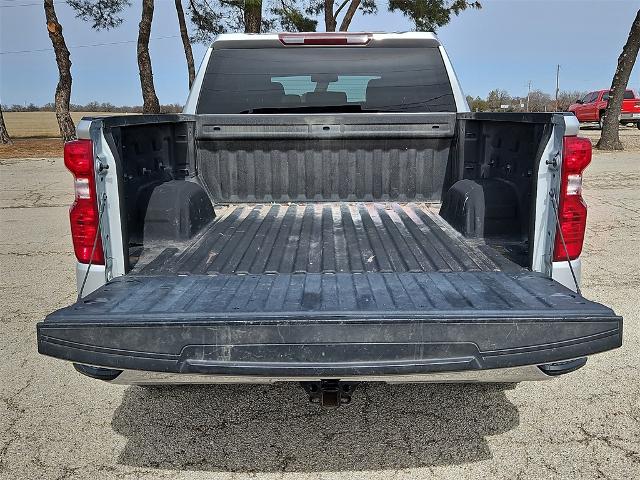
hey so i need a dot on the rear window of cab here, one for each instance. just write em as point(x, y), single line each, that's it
point(628, 95)
point(326, 79)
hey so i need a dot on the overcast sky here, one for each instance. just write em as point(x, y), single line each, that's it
point(504, 45)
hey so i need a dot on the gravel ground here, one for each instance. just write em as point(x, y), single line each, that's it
point(629, 136)
point(32, 148)
point(55, 423)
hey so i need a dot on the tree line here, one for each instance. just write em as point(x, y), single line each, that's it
point(212, 17)
point(90, 107)
point(495, 101)
point(499, 100)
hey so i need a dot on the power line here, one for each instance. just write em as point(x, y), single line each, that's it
point(26, 4)
point(89, 45)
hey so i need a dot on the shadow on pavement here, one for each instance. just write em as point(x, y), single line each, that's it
point(274, 428)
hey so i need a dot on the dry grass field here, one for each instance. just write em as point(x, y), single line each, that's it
point(32, 148)
point(36, 134)
point(40, 124)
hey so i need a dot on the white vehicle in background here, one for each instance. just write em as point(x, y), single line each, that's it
point(327, 210)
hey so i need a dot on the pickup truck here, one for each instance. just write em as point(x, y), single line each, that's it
point(326, 210)
point(592, 106)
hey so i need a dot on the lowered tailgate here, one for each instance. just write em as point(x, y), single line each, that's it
point(329, 324)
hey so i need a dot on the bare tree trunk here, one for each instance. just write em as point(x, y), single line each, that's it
point(329, 19)
point(149, 97)
point(63, 89)
point(252, 16)
point(351, 11)
point(4, 135)
point(610, 138)
point(185, 42)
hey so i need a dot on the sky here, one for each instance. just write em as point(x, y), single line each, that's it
point(504, 45)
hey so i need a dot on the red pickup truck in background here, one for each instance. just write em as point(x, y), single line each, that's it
point(592, 106)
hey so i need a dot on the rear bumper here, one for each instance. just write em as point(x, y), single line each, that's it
point(630, 117)
point(331, 349)
point(497, 375)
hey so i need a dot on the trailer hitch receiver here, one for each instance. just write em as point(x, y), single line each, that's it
point(329, 393)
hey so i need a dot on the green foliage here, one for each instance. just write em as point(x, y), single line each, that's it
point(428, 15)
point(367, 7)
point(207, 21)
point(105, 14)
point(477, 104)
point(292, 18)
point(212, 17)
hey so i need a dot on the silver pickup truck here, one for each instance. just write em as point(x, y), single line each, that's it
point(327, 210)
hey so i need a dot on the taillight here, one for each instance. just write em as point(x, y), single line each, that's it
point(324, 38)
point(78, 158)
point(572, 210)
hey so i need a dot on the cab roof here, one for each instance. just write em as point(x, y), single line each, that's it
point(336, 39)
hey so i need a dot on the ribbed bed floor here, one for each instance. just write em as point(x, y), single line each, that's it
point(324, 238)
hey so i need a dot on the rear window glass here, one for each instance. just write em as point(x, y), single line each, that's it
point(628, 95)
point(326, 79)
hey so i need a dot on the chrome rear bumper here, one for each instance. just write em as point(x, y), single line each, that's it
point(497, 375)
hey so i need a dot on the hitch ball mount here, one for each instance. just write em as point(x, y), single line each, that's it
point(329, 393)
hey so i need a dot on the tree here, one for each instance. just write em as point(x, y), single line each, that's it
point(150, 103)
point(252, 10)
point(332, 11)
point(186, 43)
point(477, 104)
point(63, 60)
point(106, 14)
point(428, 15)
point(4, 134)
point(610, 138)
point(207, 21)
point(211, 17)
point(568, 98)
point(496, 98)
point(539, 101)
point(292, 18)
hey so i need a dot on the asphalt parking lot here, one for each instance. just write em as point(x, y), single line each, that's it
point(55, 423)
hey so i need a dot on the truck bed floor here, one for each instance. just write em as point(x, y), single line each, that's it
point(323, 238)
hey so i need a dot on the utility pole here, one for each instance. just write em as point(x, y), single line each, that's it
point(528, 95)
point(557, 85)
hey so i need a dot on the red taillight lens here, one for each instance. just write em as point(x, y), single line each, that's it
point(324, 38)
point(78, 158)
point(576, 156)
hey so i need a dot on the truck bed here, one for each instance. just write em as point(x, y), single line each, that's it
point(337, 237)
point(327, 290)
